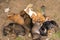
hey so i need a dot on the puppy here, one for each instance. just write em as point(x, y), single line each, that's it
point(50, 24)
point(35, 16)
point(16, 18)
point(49, 27)
point(35, 31)
point(13, 28)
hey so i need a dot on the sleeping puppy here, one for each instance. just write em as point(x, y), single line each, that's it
point(48, 27)
point(13, 28)
point(51, 27)
point(35, 16)
point(35, 31)
point(50, 24)
point(16, 18)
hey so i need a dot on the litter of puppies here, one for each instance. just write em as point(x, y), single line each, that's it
point(28, 21)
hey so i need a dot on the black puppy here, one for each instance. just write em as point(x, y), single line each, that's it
point(13, 28)
point(48, 25)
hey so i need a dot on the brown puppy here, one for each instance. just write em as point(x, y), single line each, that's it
point(13, 29)
point(16, 18)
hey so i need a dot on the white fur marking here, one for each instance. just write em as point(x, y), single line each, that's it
point(45, 31)
point(31, 13)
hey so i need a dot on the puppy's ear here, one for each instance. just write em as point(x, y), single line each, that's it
point(9, 16)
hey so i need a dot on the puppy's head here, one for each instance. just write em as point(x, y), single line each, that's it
point(43, 31)
point(11, 16)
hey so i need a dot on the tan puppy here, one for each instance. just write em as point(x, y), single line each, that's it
point(16, 18)
point(36, 16)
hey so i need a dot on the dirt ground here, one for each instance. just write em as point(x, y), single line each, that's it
point(52, 10)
